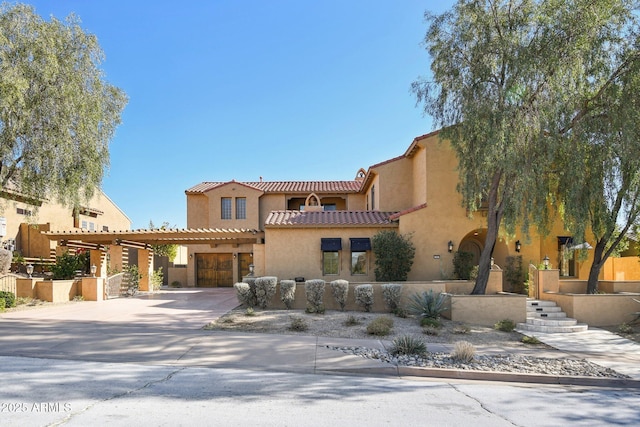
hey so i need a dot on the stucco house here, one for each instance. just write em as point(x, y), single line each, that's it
point(323, 229)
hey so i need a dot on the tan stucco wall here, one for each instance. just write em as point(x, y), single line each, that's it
point(393, 186)
point(245, 248)
point(234, 190)
point(625, 268)
point(487, 310)
point(598, 310)
point(197, 211)
point(291, 253)
point(419, 176)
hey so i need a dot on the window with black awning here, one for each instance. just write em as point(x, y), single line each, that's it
point(359, 244)
point(331, 244)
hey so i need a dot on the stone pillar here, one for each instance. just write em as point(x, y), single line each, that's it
point(115, 259)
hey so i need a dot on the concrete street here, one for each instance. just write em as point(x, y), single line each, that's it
point(146, 361)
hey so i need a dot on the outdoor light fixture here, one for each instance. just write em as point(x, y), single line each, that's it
point(450, 246)
point(545, 261)
point(251, 269)
point(492, 263)
point(29, 270)
point(518, 246)
point(93, 270)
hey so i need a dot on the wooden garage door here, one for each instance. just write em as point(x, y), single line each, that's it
point(213, 270)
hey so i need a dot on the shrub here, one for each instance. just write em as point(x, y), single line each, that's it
point(78, 298)
point(288, 292)
point(156, 279)
point(351, 321)
point(394, 255)
point(244, 294)
point(9, 298)
point(427, 304)
point(133, 276)
point(462, 265)
point(461, 329)
point(251, 281)
point(391, 293)
point(463, 351)
point(514, 273)
point(625, 329)
point(505, 325)
point(430, 330)
point(176, 284)
point(298, 324)
point(380, 326)
point(431, 322)
point(314, 292)
point(364, 296)
point(250, 312)
point(530, 340)
point(408, 345)
point(66, 265)
point(265, 290)
point(340, 291)
point(3, 304)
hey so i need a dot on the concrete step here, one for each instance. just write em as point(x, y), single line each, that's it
point(567, 321)
point(547, 309)
point(540, 303)
point(552, 315)
point(525, 327)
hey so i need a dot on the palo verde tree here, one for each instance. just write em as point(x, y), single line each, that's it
point(57, 112)
point(502, 73)
point(168, 250)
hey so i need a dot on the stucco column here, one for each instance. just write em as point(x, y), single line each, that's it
point(96, 258)
point(115, 258)
point(145, 267)
point(548, 281)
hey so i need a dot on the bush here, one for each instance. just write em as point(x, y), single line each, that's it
point(408, 345)
point(340, 291)
point(351, 321)
point(156, 279)
point(391, 293)
point(66, 265)
point(431, 322)
point(462, 265)
point(133, 276)
point(250, 312)
point(3, 304)
point(625, 329)
point(463, 351)
point(298, 324)
point(9, 298)
point(430, 330)
point(314, 292)
point(505, 325)
point(394, 255)
point(427, 304)
point(251, 281)
point(176, 284)
point(461, 329)
point(364, 296)
point(244, 294)
point(530, 340)
point(380, 326)
point(265, 290)
point(288, 292)
point(514, 273)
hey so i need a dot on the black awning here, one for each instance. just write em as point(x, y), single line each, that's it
point(359, 244)
point(565, 240)
point(331, 244)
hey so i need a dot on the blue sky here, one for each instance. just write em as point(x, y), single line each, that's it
point(238, 89)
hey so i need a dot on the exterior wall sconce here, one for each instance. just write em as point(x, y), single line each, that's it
point(450, 246)
point(29, 270)
point(251, 267)
point(93, 270)
point(545, 261)
point(518, 246)
point(235, 256)
point(492, 263)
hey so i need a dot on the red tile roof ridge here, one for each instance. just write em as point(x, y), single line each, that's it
point(407, 211)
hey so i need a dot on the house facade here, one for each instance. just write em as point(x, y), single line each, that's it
point(323, 229)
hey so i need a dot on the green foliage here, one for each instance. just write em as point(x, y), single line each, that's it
point(534, 99)
point(176, 284)
point(298, 324)
point(462, 265)
point(380, 326)
point(340, 291)
point(132, 276)
point(252, 299)
point(391, 293)
point(314, 292)
point(463, 351)
point(78, 298)
point(461, 330)
point(9, 298)
point(351, 321)
point(3, 304)
point(505, 325)
point(244, 294)
point(250, 312)
point(514, 273)
point(431, 322)
point(57, 113)
point(156, 279)
point(394, 254)
point(67, 265)
point(265, 290)
point(530, 340)
point(170, 251)
point(625, 329)
point(364, 296)
point(408, 345)
point(427, 304)
point(288, 292)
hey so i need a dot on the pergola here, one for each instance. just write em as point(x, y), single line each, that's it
point(142, 240)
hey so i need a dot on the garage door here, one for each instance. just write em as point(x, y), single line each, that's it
point(214, 270)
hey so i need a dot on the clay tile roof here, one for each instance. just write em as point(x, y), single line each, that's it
point(328, 218)
point(304, 187)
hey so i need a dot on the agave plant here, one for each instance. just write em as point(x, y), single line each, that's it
point(427, 304)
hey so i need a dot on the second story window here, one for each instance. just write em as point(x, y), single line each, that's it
point(241, 208)
point(225, 208)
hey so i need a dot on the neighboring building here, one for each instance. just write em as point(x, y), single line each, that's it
point(322, 229)
point(26, 218)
